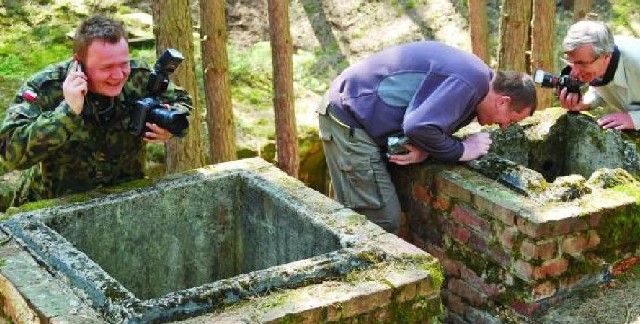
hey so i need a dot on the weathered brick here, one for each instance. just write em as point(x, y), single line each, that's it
point(494, 209)
point(441, 202)
point(544, 250)
point(524, 308)
point(435, 250)
point(365, 303)
point(569, 282)
point(468, 293)
point(593, 239)
point(506, 236)
point(422, 194)
point(456, 232)
point(477, 242)
point(452, 189)
point(488, 289)
point(594, 219)
point(524, 270)
point(553, 268)
point(477, 316)
point(470, 218)
point(543, 290)
point(569, 225)
point(451, 267)
point(498, 256)
point(574, 244)
point(454, 303)
point(533, 230)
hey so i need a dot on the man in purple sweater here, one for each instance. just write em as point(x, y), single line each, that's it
point(425, 91)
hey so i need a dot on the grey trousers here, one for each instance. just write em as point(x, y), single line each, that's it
point(358, 173)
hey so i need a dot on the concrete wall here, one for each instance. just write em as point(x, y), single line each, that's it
point(324, 263)
point(184, 236)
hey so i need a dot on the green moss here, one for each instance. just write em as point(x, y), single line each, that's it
point(619, 231)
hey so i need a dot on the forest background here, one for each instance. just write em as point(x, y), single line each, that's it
point(326, 36)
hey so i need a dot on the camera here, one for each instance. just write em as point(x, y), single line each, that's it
point(395, 145)
point(150, 109)
point(548, 80)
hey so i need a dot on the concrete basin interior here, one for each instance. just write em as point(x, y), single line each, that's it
point(186, 248)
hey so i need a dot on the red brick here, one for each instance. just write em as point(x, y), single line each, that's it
point(575, 244)
point(469, 218)
point(422, 194)
point(488, 289)
point(593, 239)
point(435, 251)
point(506, 236)
point(458, 233)
point(499, 256)
point(534, 230)
point(538, 250)
point(451, 267)
point(494, 209)
point(462, 289)
point(569, 225)
point(452, 189)
point(569, 282)
point(594, 219)
point(454, 303)
point(477, 242)
point(553, 268)
point(543, 290)
point(441, 203)
point(524, 270)
point(524, 308)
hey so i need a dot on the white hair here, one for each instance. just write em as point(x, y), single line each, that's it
point(591, 32)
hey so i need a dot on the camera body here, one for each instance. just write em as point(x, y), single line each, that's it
point(395, 145)
point(150, 109)
point(548, 80)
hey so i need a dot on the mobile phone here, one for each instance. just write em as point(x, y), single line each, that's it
point(75, 57)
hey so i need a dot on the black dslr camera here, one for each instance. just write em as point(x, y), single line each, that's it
point(395, 145)
point(149, 109)
point(548, 80)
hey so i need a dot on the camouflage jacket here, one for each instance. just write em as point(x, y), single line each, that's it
point(61, 152)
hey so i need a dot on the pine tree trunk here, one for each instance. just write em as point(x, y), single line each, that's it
point(580, 9)
point(173, 27)
point(282, 53)
point(215, 64)
point(479, 29)
point(543, 32)
point(514, 35)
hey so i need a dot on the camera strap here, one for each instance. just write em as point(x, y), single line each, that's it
point(611, 70)
point(100, 109)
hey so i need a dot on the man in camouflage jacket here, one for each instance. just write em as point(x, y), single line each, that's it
point(67, 127)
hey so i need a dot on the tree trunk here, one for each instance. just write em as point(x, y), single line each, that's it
point(173, 27)
point(580, 9)
point(479, 29)
point(514, 35)
point(282, 53)
point(542, 36)
point(215, 64)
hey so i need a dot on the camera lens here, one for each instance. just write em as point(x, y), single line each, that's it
point(174, 121)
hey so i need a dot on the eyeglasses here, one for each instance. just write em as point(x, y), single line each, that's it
point(582, 65)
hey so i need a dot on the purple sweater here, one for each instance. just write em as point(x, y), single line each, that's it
point(426, 90)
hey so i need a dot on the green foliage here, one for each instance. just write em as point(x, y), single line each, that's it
point(625, 12)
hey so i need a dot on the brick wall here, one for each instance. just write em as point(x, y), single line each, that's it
point(504, 251)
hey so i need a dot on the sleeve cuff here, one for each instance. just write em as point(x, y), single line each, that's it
point(635, 117)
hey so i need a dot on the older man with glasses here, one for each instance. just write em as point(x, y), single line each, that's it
point(611, 66)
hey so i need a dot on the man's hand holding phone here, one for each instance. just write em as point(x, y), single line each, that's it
point(75, 87)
